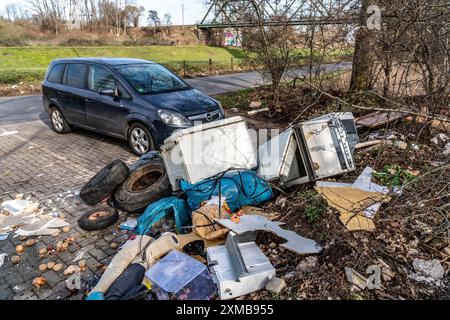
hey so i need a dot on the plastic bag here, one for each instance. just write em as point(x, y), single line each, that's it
point(159, 209)
point(239, 187)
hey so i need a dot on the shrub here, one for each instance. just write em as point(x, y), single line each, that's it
point(83, 42)
point(315, 205)
point(11, 42)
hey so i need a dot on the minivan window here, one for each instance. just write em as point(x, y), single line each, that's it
point(76, 75)
point(123, 93)
point(151, 78)
point(101, 79)
point(56, 74)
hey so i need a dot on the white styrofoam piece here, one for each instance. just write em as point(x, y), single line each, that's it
point(15, 206)
point(295, 242)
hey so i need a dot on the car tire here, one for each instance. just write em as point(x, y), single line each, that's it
point(98, 219)
point(104, 182)
point(140, 139)
point(59, 123)
point(146, 184)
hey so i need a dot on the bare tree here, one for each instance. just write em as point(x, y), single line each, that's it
point(167, 19)
point(153, 18)
point(134, 14)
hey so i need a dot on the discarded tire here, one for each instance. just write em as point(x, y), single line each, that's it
point(104, 182)
point(146, 184)
point(97, 219)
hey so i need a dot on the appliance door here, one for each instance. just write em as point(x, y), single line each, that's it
point(327, 145)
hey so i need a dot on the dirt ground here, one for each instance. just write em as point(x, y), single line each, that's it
point(20, 89)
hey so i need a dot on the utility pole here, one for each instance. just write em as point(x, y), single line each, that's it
point(182, 14)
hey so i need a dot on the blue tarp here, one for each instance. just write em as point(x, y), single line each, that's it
point(159, 209)
point(238, 187)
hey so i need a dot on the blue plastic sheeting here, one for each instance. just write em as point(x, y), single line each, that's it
point(239, 188)
point(159, 209)
point(95, 296)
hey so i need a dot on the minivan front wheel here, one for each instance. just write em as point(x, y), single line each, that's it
point(59, 124)
point(140, 139)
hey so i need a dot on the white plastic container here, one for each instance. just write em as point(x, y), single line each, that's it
point(238, 268)
point(202, 151)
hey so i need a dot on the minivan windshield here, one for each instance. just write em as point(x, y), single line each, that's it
point(150, 78)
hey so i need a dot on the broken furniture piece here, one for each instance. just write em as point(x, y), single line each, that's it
point(357, 202)
point(203, 151)
point(317, 149)
point(376, 119)
point(294, 242)
point(239, 267)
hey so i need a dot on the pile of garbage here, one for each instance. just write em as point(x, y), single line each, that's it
point(194, 237)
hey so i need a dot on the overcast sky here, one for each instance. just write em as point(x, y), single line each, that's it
point(194, 10)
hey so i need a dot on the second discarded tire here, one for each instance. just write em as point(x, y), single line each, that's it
point(146, 184)
point(97, 219)
point(104, 182)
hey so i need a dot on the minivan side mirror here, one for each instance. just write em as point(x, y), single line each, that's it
point(108, 92)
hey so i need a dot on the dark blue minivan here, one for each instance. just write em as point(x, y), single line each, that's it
point(133, 99)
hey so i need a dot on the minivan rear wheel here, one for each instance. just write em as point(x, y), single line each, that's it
point(140, 139)
point(59, 124)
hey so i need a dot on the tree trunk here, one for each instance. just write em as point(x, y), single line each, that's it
point(363, 58)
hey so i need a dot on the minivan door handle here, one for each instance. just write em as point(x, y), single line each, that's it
point(88, 100)
point(59, 93)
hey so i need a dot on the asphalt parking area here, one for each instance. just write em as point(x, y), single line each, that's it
point(50, 169)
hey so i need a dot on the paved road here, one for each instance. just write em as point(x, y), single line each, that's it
point(29, 108)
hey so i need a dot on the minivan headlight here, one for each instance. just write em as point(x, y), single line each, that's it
point(174, 118)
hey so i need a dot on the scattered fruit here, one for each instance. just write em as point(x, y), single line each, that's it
point(71, 270)
point(15, 259)
point(57, 267)
point(235, 218)
point(43, 267)
point(50, 264)
point(43, 251)
point(30, 242)
point(114, 245)
point(20, 248)
point(39, 282)
point(66, 229)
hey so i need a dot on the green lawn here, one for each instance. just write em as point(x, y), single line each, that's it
point(29, 63)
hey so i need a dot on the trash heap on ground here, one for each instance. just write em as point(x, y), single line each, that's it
point(194, 237)
point(193, 215)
